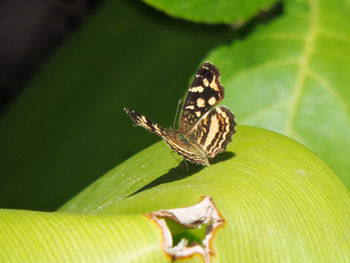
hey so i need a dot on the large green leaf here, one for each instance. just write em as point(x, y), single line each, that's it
point(292, 76)
point(281, 203)
point(224, 11)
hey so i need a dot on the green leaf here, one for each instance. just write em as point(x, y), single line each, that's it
point(224, 11)
point(28, 236)
point(292, 76)
point(280, 202)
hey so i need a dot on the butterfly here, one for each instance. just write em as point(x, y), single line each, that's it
point(203, 131)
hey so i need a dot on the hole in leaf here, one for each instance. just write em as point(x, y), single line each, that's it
point(189, 230)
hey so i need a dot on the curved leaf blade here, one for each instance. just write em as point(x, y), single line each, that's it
point(279, 201)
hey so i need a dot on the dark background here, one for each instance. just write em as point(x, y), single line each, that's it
point(67, 69)
point(30, 32)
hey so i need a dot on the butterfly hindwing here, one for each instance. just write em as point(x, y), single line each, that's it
point(214, 131)
point(204, 93)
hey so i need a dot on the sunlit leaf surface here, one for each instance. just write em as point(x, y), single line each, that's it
point(292, 76)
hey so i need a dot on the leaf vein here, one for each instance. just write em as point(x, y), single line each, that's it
point(271, 64)
point(317, 77)
point(265, 110)
point(280, 36)
point(334, 35)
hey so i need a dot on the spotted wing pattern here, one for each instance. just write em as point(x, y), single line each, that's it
point(203, 132)
point(204, 93)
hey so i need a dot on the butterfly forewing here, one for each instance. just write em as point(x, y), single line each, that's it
point(143, 121)
point(214, 130)
point(204, 93)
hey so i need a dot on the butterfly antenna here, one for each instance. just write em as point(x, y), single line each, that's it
point(177, 110)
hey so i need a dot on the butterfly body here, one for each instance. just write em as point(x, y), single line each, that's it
point(203, 132)
point(185, 147)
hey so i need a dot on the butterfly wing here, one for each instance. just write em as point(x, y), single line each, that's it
point(204, 93)
point(214, 131)
point(173, 138)
point(141, 120)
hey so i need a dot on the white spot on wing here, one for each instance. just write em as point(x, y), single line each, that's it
point(206, 82)
point(200, 103)
point(212, 101)
point(213, 84)
point(197, 89)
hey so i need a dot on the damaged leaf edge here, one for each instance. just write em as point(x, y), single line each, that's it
point(204, 212)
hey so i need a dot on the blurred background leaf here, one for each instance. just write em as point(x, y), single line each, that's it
point(292, 76)
point(68, 127)
point(207, 11)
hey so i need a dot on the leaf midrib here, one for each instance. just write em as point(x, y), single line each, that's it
point(304, 65)
point(304, 69)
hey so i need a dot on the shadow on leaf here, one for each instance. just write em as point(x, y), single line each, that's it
point(182, 171)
